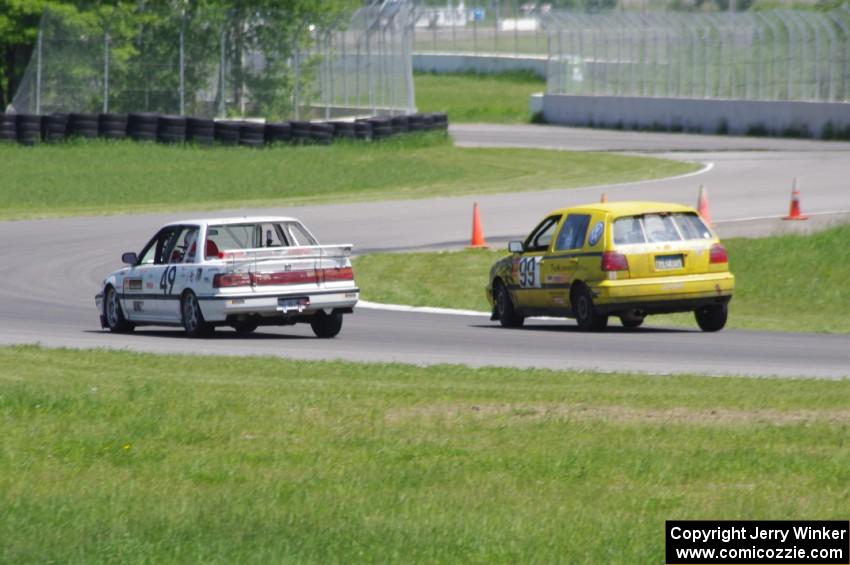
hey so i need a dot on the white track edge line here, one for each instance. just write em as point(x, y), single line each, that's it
point(777, 216)
point(706, 167)
point(418, 309)
point(433, 310)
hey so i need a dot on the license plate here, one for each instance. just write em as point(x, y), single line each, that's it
point(292, 304)
point(667, 262)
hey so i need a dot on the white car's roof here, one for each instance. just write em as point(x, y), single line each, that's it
point(235, 220)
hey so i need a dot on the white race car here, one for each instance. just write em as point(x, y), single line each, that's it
point(238, 272)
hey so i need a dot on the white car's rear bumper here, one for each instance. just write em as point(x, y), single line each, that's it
point(219, 308)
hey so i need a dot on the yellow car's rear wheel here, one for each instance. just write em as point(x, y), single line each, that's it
point(712, 318)
point(587, 318)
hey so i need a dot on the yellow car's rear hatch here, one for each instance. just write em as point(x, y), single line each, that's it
point(665, 244)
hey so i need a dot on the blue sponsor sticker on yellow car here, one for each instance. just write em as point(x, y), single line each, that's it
point(596, 233)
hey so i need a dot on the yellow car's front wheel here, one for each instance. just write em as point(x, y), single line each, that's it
point(508, 316)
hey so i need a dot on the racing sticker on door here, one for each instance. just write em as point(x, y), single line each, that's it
point(529, 272)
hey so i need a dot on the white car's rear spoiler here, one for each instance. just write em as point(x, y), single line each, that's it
point(337, 251)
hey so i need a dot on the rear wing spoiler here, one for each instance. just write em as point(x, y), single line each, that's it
point(337, 251)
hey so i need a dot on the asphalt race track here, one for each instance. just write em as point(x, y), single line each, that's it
point(55, 266)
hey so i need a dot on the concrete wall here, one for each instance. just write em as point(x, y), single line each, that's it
point(485, 64)
point(737, 117)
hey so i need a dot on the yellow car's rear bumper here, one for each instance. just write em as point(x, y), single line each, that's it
point(663, 294)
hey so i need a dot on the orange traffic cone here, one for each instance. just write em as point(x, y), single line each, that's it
point(604, 198)
point(477, 231)
point(794, 213)
point(702, 205)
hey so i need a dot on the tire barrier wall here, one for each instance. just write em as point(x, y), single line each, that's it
point(31, 129)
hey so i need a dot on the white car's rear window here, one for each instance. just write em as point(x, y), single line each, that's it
point(659, 228)
point(260, 234)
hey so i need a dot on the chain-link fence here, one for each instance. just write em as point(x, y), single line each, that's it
point(209, 63)
point(503, 27)
point(771, 55)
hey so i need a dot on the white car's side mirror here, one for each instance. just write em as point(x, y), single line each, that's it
point(129, 258)
point(515, 246)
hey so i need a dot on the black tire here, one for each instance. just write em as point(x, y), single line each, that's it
point(193, 318)
point(299, 126)
point(587, 317)
point(227, 132)
point(279, 132)
point(252, 134)
point(142, 121)
point(508, 316)
point(136, 135)
point(321, 138)
point(326, 325)
point(363, 130)
point(82, 125)
point(630, 322)
point(321, 133)
point(343, 129)
point(171, 129)
point(53, 127)
point(8, 128)
point(400, 124)
point(712, 318)
point(170, 138)
point(112, 126)
point(245, 327)
point(200, 131)
point(28, 129)
point(381, 132)
point(113, 314)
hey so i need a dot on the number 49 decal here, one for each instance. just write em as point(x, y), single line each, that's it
point(529, 273)
point(166, 283)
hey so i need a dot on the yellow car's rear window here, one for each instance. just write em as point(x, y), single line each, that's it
point(659, 228)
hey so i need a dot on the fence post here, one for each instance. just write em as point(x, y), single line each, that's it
point(496, 26)
point(475, 31)
point(38, 69)
point(222, 111)
point(106, 71)
point(407, 39)
point(296, 92)
point(329, 84)
point(844, 57)
point(182, 67)
point(516, 28)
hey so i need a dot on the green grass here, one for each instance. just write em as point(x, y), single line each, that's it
point(469, 97)
point(100, 177)
point(132, 458)
point(783, 283)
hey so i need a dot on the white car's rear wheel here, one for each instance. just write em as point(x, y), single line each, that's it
point(115, 320)
point(193, 318)
point(326, 325)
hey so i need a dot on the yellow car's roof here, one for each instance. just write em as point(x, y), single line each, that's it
point(627, 208)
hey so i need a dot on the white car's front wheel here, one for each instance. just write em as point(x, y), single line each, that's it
point(193, 318)
point(115, 320)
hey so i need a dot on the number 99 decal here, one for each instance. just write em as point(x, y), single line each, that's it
point(529, 274)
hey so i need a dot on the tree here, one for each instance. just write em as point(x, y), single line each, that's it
point(144, 45)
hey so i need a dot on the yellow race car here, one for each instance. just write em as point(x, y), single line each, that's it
point(624, 259)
